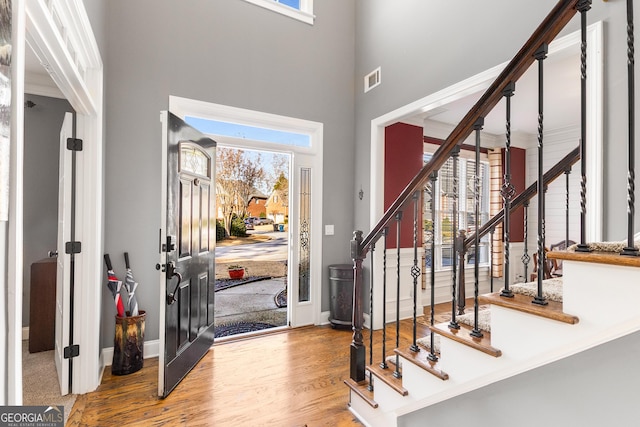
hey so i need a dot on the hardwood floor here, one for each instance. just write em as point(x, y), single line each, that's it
point(290, 378)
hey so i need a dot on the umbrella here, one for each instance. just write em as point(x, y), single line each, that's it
point(114, 286)
point(131, 286)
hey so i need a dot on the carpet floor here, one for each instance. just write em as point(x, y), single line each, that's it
point(40, 381)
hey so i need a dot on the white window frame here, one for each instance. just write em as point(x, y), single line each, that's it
point(437, 257)
point(304, 14)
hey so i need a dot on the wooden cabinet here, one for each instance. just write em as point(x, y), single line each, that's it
point(42, 305)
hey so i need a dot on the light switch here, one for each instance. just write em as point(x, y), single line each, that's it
point(328, 229)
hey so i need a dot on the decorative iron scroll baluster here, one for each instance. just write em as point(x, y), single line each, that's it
point(507, 191)
point(432, 354)
point(371, 259)
point(540, 56)
point(461, 251)
point(476, 332)
point(357, 355)
point(525, 255)
point(583, 6)
point(492, 230)
point(630, 249)
point(415, 269)
point(455, 153)
point(566, 207)
point(396, 372)
point(383, 364)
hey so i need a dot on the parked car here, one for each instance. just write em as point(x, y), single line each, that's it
point(262, 221)
point(248, 224)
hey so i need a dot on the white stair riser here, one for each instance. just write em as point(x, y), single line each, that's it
point(369, 416)
point(601, 295)
point(391, 398)
point(419, 382)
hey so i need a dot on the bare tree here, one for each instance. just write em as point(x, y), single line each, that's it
point(237, 176)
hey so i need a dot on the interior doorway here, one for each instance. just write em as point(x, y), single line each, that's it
point(252, 241)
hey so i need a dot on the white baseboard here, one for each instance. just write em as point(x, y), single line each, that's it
point(324, 318)
point(151, 349)
point(25, 333)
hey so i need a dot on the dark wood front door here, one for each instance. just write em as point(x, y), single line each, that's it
point(187, 249)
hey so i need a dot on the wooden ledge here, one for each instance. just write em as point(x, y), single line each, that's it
point(523, 303)
point(386, 376)
point(361, 390)
point(463, 336)
point(419, 358)
point(610, 258)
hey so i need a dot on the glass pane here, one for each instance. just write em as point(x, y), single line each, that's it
point(214, 127)
point(304, 284)
point(291, 3)
point(447, 256)
point(195, 161)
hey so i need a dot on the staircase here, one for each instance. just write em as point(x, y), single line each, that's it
point(410, 385)
point(523, 337)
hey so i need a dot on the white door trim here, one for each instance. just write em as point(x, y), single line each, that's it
point(183, 107)
point(81, 83)
point(480, 82)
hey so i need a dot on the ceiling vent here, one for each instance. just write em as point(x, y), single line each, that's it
point(372, 80)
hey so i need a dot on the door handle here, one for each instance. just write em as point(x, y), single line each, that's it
point(171, 273)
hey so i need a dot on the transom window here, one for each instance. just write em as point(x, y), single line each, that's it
point(443, 205)
point(302, 10)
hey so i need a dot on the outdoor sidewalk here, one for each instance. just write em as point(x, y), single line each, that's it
point(251, 302)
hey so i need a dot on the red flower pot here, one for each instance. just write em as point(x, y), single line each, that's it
point(237, 273)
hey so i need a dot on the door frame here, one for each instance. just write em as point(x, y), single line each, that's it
point(33, 24)
point(183, 107)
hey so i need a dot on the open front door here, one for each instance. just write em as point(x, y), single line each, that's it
point(187, 251)
point(64, 269)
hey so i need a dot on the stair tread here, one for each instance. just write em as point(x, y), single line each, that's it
point(386, 376)
point(553, 310)
point(361, 389)
point(419, 358)
point(610, 258)
point(463, 336)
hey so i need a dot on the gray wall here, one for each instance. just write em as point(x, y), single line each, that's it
point(594, 388)
point(41, 157)
point(227, 52)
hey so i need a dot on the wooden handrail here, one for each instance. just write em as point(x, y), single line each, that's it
point(550, 176)
point(555, 21)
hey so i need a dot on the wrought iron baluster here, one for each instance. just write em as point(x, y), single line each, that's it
point(567, 172)
point(432, 353)
point(455, 154)
point(630, 249)
point(397, 373)
point(491, 232)
point(371, 259)
point(525, 254)
point(415, 269)
point(507, 191)
point(540, 56)
point(583, 6)
point(476, 332)
point(383, 364)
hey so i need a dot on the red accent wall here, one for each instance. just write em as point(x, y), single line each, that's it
point(518, 176)
point(403, 152)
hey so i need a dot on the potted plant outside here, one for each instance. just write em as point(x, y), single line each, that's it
point(235, 271)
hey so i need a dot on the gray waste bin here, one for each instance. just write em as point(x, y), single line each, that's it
point(341, 291)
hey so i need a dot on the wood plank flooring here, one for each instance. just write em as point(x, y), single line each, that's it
point(290, 378)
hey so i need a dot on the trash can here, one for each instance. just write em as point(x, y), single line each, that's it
point(341, 291)
point(128, 344)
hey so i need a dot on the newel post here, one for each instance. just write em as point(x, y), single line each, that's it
point(357, 351)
